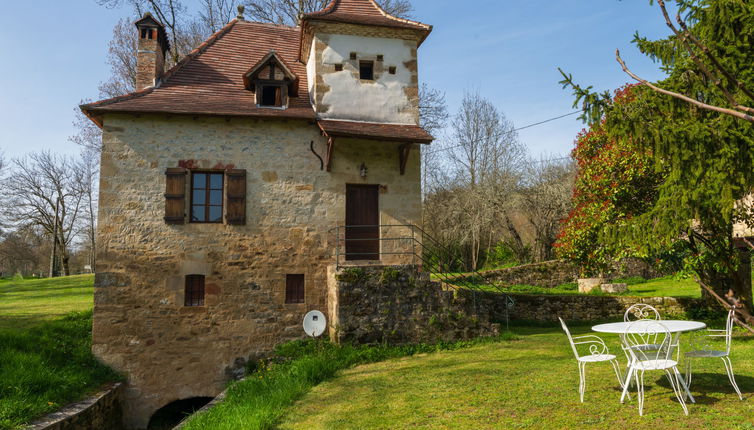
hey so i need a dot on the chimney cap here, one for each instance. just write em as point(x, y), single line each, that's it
point(150, 21)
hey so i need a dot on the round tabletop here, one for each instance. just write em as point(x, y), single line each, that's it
point(674, 326)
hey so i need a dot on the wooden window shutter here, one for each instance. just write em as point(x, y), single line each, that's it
point(236, 194)
point(294, 289)
point(175, 195)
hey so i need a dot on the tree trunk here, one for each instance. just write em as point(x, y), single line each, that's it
point(739, 282)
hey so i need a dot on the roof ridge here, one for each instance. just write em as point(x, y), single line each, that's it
point(329, 8)
point(395, 18)
point(335, 6)
point(179, 65)
point(271, 24)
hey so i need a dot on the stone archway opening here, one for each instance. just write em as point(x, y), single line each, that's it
point(171, 414)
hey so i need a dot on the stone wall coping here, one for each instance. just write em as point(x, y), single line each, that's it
point(58, 418)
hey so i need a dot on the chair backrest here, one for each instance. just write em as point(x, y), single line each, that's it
point(641, 311)
point(570, 338)
point(641, 333)
point(728, 330)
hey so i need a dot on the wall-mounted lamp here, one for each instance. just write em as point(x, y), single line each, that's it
point(363, 170)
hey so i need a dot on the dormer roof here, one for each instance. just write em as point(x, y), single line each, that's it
point(273, 58)
point(366, 12)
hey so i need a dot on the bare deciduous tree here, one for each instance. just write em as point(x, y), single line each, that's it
point(546, 199)
point(173, 14)
point(471, 203)
point(215, 14)
point(41, 192)
point(287, 12)
point(86, 175)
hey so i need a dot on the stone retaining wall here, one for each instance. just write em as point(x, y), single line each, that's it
point(557, 272)
point(548, 308)
point(398, 304)
point(545, 274)
point(101, 411)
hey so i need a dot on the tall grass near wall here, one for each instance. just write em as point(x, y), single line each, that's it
point(261, 400)
point(47, 366)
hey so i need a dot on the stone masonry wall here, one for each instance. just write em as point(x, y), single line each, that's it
point(558, 272)
point(101, 411)
point(546, 274)
point(578, 307)
point(398, 304)
point(141, 328)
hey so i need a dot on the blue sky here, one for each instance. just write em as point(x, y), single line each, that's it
point(508, 50)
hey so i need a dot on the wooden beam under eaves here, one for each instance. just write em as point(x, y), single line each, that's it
point(328, 159)
point(403, 153)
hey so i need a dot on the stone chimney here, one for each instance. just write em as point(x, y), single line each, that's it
point(150, 55)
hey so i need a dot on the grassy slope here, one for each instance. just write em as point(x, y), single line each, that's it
point(262, 399)
point(45, 358)
point(28, 302)
point(530, 383)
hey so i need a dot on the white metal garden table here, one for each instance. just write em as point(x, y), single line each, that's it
point(676, 327)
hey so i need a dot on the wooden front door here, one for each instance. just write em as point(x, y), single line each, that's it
point(362, 222)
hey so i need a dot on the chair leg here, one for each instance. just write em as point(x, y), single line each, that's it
point(640, 391)
point(684, 385)
point(631, 372)
point(729, 369)
point(688, 372)
point(582, 380)
point(675, 382)
point(616, 368)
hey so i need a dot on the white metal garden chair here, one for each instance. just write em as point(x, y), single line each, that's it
point(597, 352)
point(644, 332)
point(702, 350)
point(637, 312)
point(641, 311)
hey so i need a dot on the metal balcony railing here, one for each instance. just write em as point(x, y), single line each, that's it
point(408, 244)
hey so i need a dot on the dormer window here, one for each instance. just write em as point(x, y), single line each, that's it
point(270, 96)
point(272, 82)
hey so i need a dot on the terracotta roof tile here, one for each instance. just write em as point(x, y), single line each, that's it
point(363, 12)
point(368, 130)
point(209, 81)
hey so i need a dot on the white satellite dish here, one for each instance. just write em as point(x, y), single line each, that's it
point(315, 323)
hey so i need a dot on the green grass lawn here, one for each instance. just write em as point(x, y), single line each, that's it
point(28, 302)
point(45, 347)
point(528, 383)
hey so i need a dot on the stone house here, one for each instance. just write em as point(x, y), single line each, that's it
point(223, 178)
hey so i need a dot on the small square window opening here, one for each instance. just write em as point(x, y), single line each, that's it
point(366, 70)
point(194, 291)
point(353, 55)
point(392, 70)
point(338, 67)
point(380, 57)
point(294, 289)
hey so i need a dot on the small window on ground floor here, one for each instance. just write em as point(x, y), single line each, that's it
point(194, 293)
point(294, 289)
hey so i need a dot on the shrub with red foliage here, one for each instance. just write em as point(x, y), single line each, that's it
point(615, 181)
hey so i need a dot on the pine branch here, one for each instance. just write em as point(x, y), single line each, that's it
point(705, 106)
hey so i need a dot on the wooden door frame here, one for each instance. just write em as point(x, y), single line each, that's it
point(377, 254)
